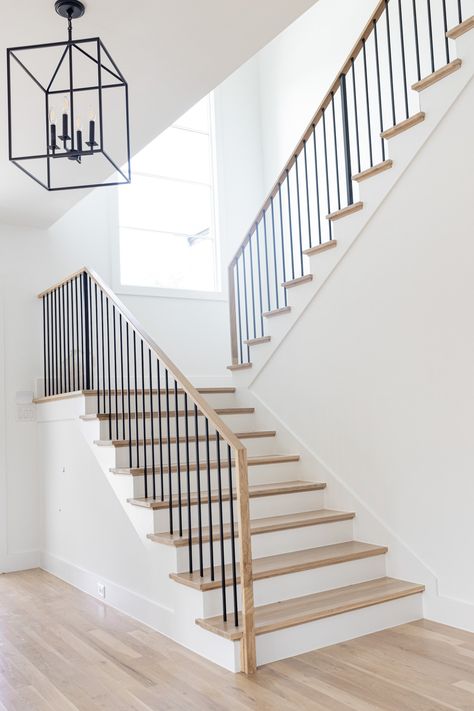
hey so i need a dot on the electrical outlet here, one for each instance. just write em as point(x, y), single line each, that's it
point(101, 590)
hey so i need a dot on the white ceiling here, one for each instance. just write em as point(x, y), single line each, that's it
point(171, 52)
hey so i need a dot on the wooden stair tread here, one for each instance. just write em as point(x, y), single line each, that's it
point(285, 563)
point(460, 29)
point(147, 391)
point(172, 413)
point(437, 75)
point(296, 282)
point(404, 125)
point(255, 491)
point(277, 312)
point(318, 248)
point(299, 610)
point(258, 434)
point(345, 211)
point(252, 462)
point(375, 170)
point(258, 526)
point(258, 341)
point(239, 366)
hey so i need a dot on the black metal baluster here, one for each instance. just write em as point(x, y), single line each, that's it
point(199, 502)
point(178, 461)
point(209, 496)
point(430, 31)
point(459, 12)
point(114, 332)
point(417, 43)
point(108, 367)
point(404, 61)
point(356, 114)
point(68, 341)
point(137, 438)
point(47, 384)
point(265, 237)
point(221, 526)
point(259, 273)
point(62, 339)
point(282, 237)
point(97, 347)
point(275, 265)
point(310, 243)
point(145, 467)
point(390, 63)
point(168, 443)
point(367, 103)
point(336, 156)
point(445, 23)
point(239, 310)
point(160, 429)
point(379, 88)
point(299, 214)
point(103, 348)
point(290, 225)
point(246, 302)
point(316, 175)
point(232, 537)
point(130, 454)
point(44, 346)
point(122, 375)
point(326, 165)
point(346, 140)
point(81, 326)
point(252, 288)
point(152, 421)
point(56, 340)
point(90, 336)
point(188, 484)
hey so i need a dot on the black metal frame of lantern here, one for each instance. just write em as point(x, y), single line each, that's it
point(72, 140)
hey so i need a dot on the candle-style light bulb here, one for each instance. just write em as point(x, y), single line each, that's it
point(79, 135)
point(91, 142)
point(65, 135)
point(52, 129)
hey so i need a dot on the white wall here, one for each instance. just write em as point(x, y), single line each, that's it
point(382, 380)
point(297, 69)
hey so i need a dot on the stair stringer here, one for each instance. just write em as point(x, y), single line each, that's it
point(158, 601)
point(435, 102)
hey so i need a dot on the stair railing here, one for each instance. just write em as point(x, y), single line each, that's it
point(403, 41)
point(91, 342)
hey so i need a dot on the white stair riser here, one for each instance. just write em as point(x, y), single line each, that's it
point(93, 406)
point(339, 628)
point(285, 587)
point(260, 474)
point(237, 422)
point(260, 507)
point(255, 447)
point(265, 544)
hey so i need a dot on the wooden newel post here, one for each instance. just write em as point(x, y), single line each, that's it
point(233, 315)
point(248, 652)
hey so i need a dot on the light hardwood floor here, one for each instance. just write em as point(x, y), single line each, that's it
point(62, 650)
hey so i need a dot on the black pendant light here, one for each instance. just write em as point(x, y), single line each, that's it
point(68, 116)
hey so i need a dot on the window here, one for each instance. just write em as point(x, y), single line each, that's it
point(166, 216)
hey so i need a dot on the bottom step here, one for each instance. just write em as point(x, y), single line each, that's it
point(300, 610)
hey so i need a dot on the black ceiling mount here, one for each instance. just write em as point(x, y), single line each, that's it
point(70, 9)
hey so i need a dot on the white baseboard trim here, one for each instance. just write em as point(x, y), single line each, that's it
point(449, 611)
point(23, 560)
point(123, 599)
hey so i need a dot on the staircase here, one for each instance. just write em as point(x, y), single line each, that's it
point(253, 565)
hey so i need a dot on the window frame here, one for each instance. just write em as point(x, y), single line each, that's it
point(168, 292)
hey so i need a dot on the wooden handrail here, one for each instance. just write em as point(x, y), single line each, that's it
point(316, 118)
point(248, 646)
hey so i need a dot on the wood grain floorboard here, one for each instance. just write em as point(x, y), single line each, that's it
point(62, 650)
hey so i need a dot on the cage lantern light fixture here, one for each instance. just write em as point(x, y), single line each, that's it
point(68, 111)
